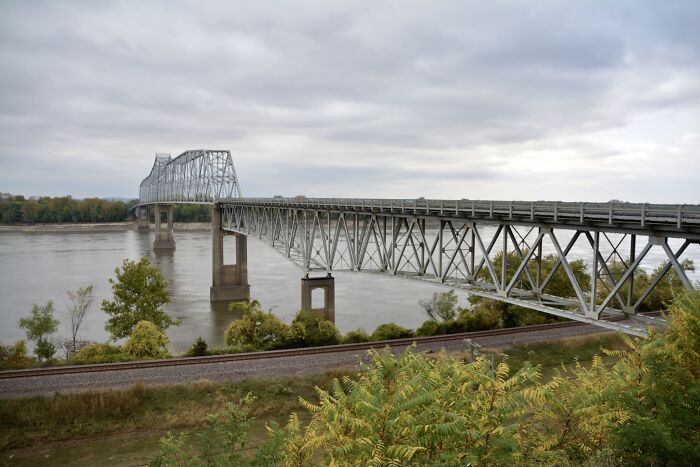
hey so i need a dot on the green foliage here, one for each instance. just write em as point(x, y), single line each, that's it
point(256, 329)
point(442, 305)
point(139, 292)
point(14, 356)
point(147, 341)
point(559, 285)
point(309, 329)
point(660, 297)
point(356, 336)
point(389, 331)
point(100, 353)
point(64, 209)
point(40, 324)
point(198, 349)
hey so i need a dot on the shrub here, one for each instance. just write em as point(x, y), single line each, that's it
point(481, 317)
point(309, 329)
point(442, 305)
point(147, 341)
point(389, 331)
point(198, 349)
point(356, 336)
point(428, 328)
point(44, 349)
point(14, 356)
point(256, 330)
point(100, 353)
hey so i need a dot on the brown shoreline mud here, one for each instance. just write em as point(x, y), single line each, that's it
point(101, 227)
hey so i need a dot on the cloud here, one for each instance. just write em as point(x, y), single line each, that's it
point(510, 100)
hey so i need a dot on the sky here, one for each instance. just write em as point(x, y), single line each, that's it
point(521, 100)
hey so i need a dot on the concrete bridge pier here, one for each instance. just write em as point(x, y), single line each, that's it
point(229, 281)
point(142, 218)
point(164, 233)
point(327, 284)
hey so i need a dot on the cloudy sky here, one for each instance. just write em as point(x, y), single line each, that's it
point(445, 99)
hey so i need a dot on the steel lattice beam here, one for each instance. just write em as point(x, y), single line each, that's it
point(456, 242)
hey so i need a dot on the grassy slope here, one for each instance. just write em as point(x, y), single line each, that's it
point(123, 427)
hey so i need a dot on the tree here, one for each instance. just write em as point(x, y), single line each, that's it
point(38, 326)
point(146, 341)
point(442, 305)
point(139, 293)
point(80, 302)
point(257, 329)
point(309, 329)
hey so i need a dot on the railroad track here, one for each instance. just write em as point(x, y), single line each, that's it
point(247, 356)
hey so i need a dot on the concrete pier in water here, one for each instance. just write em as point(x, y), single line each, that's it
point(164, 233)
point(327, 284)
point(229, 281)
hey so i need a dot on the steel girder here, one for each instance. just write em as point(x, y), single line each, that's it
point(455, 243)
point(198, 176)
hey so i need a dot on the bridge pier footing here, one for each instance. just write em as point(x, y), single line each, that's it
point(142, 218)
point(164, 234)
point(327, 284)
point(229, 281)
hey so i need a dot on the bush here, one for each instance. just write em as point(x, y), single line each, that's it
point(256, 330)
point(147, 341)
point(389, 331)
point(198, 349)
point(309, 329)
point(356, 336)
point(480, 318)
point(100, 353)
point(44, 349)
point(14, 356)
point(428, 328)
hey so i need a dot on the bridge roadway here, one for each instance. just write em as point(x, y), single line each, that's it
point(455, 243)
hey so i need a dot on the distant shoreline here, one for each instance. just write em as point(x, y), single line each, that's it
point(100, 227)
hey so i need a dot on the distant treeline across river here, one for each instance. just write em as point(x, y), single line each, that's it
point(17, 209)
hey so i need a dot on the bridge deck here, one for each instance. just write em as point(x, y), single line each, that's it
point(671, 220)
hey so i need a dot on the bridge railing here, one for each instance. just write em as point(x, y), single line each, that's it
point(640, 215)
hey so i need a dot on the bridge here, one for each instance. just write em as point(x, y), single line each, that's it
point(501, 250)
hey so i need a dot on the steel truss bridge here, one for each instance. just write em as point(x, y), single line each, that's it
point(457, 243)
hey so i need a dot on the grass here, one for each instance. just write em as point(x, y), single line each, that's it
point(122, 427)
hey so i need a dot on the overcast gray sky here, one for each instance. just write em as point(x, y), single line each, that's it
point(445, 99)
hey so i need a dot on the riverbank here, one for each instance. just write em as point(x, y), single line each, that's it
point(100, 227)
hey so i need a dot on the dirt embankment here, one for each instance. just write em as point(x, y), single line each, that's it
point(102, 227)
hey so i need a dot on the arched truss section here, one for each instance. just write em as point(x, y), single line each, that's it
point(196, 176)
point(627, 250)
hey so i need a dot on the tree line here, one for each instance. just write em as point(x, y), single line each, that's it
point(18, 209)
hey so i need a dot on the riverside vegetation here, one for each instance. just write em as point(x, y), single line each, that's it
point(18, 209)
point(636, 403)
point(415, 410)
point(140, 292)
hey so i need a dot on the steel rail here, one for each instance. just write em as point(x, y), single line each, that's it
point(245, 356)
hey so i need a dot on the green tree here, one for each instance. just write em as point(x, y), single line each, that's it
point(139, 293)
point(309, 329)
point(442, 305)
point(147, 341)
point(38, 326)
point(389, 331)
point(256, 329)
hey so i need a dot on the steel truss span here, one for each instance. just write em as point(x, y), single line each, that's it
point(459, 244)
point(196, 176)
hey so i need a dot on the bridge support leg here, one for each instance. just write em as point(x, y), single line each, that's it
point(142, 218)
point(164, 234)
point(308, 284)
point(229, 281)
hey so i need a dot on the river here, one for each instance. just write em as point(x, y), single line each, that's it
point(39, 266)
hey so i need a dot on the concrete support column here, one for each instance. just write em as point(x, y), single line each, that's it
point(164, 233)
point(142, 218)
point(308, 284)
point(229, 281)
